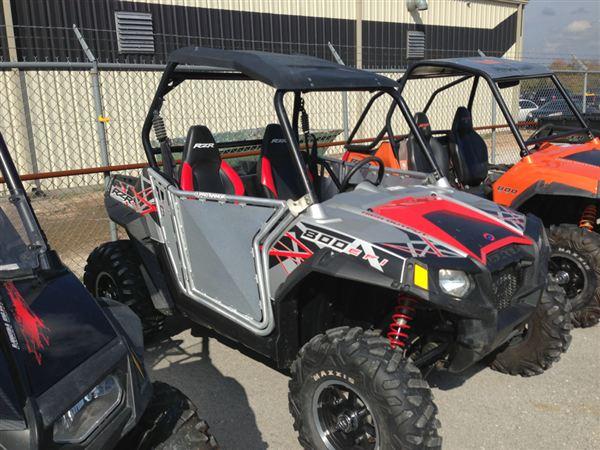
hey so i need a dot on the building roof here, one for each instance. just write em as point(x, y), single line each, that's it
point(495, 68)
point(287, 72)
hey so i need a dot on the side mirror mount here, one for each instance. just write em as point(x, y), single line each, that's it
point(508, 84)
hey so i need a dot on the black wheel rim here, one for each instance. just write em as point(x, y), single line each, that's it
point(106, 287)
point(577, 281)
point(344, 420)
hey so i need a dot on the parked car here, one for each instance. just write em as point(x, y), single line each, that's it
point(525, 107)
point(548, 94)
point(558, 108)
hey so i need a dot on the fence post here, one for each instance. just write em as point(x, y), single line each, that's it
point(585, 69)
point(29, 130)
point(100, 119)
point(24, 100)
point(585, 85)
point(339, 60)
point(493, 156)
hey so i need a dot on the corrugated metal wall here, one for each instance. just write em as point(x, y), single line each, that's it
point(452, 28)
point(43, 27)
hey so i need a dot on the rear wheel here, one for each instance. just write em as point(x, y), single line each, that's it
point(545, 337)
point(349, 389)
point(113, 271)
point(576, 252)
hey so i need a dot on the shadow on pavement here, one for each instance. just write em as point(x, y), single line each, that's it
point(221, 400)
point(444, 380)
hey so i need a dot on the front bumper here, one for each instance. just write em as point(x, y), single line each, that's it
point(477, 338)
point(491, 314)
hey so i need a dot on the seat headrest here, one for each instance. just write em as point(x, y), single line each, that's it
point(200, 146)
point(463, 121)
point(422, 122)
point(274, 139)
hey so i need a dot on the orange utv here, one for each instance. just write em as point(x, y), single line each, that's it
point(556, 177)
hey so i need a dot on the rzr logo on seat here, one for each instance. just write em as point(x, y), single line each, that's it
point(204, 145)
point(278, 141)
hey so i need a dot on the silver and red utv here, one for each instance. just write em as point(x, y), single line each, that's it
point(356, 279)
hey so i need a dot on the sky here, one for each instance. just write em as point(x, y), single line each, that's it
point(558, 28)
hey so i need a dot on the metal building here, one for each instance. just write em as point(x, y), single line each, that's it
point(367, 33)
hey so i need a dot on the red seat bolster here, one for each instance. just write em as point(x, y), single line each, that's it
point(266, 176)
point(234, 178)
point(187, 177)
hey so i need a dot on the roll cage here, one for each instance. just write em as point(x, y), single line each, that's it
point(498, 73)
point(295, 74)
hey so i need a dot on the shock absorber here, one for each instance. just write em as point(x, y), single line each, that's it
point(160, 130)
point(589, 216)
point(404, 313)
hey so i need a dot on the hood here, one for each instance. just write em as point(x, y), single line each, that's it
point(53, 326)
point(424, 221)
point(581, 159)
point(452, 225)
point(555, 169)
point(583, 154)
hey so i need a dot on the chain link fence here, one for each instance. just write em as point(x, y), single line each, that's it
point(62, 131)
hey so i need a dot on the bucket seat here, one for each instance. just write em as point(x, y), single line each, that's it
point(415, 155)
point(468, 150)
point(202, 168)
point(277, 171)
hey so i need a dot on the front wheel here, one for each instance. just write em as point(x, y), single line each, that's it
point(576, 253)
point(545, 337)
point(170, 422)
point(113, 271)
point(349, 389)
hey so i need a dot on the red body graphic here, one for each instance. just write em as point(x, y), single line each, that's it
point(33, 330)
point(473, 232)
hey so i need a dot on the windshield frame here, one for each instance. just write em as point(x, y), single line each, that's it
point(37, 242)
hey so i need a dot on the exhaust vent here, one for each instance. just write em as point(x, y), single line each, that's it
point(134, 32)
point(415, 45)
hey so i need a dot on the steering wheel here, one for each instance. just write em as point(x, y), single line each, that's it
point(363, 162)
point(548, 129)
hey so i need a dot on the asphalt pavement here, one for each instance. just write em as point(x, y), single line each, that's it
point(245, 401)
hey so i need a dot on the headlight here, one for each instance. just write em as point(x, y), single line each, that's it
point(454, 282)
point(85, 416)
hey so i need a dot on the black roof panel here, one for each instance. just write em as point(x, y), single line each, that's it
point(495, 68)
point(288, 72)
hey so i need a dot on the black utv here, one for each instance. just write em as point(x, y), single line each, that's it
point(354, 279)
point(71, 367)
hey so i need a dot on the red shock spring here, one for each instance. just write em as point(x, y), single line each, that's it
point(403, 315)
point(588, 218)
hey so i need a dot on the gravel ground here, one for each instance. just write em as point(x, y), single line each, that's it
point(245, 401)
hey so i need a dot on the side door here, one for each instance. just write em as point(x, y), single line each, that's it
point(218, 246)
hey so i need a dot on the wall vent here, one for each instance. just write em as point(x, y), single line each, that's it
point(134, 32)
point(415, 44)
